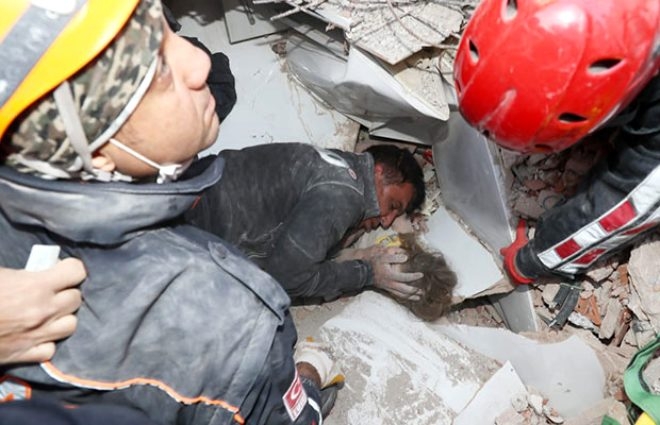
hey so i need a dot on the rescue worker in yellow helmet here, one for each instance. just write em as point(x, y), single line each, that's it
point(173, 321)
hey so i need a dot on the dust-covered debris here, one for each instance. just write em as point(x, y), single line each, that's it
point(399, 368)
point(391, 30)
point(529, 408)
point(542, 181)
point(397, 30)
point(617, 306)
point(420, 75)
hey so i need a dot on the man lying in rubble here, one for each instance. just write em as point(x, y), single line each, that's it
point(290, 206)
point(173, 322)
point(548, 103)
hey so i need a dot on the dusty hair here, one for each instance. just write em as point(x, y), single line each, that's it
point(437, 284)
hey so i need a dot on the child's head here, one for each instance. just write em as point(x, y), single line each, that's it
point(437, 284)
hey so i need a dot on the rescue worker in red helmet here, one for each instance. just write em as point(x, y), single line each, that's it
point(538, 77)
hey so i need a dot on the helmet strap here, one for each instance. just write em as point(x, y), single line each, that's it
point(72, 124)
point(166, 173)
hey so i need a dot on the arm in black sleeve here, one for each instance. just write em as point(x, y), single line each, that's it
point(619, 202)
point(300, 256)
point(283, 396)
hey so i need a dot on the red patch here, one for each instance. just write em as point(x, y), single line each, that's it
point(618, 218)
point(640, 229)
point(14, 389)
point(295, 398)
point(590, 256)
point(567, 249)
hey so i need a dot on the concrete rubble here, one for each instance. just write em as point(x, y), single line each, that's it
point(386, 64)
point(402, 370)
point(390, 30)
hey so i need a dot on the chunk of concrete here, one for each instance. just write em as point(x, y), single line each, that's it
point(396, 366)
point(568, 373)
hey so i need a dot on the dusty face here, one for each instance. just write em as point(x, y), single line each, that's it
point(175, 119)
point(393, 200)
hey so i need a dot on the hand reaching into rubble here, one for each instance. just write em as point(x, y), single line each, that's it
point(509, 253)
point(385, 263)
point(36, 309)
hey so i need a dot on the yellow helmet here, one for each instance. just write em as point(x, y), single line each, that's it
point(54, 39)
point(72, 73)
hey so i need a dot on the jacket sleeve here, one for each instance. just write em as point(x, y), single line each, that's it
point(620, 201)
point(281, 395)
point(299, 260)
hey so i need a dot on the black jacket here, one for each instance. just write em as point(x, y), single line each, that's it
point(288, 206)
point(174, 321)
point(618, 203)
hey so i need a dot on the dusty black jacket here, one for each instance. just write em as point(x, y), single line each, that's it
point(174, 321)
point(619, 202)
point(287, 206)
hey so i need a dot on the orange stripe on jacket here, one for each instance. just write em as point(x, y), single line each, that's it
point(87, 383)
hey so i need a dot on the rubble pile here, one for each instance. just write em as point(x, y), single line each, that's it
point(617, 302)
point(539, 182)
point(529, 409)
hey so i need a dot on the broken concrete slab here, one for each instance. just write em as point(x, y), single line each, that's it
point(493, 399)
point(571, 386)
point(391, 31)
point(396, 366)
point(472, 183)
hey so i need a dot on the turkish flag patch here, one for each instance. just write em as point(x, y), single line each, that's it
point(295, 398)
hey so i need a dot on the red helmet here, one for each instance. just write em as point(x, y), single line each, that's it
point(539, 75)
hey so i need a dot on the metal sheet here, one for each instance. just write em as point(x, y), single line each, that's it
point(472, 183)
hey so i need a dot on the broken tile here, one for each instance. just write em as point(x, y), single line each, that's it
point(535, 184)
point(536, 403)
point(588, 307)
point(610, 319)
point(552, 415)
point(601, 272)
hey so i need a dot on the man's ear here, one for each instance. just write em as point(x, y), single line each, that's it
point(102, 161)
point(378, 169)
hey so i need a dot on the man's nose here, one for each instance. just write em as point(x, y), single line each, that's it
point(387, 220)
